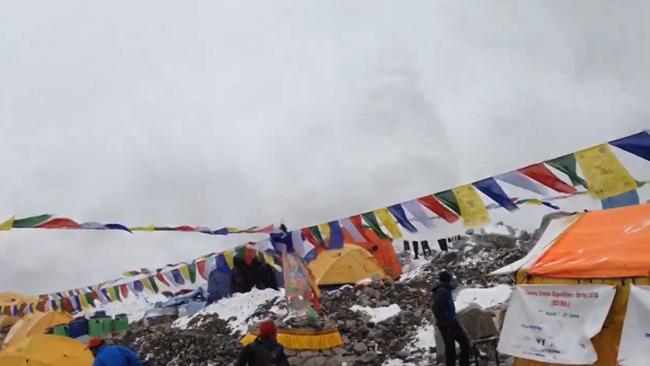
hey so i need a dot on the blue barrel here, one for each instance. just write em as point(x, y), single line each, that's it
point(78, 327)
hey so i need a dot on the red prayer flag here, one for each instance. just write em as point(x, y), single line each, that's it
point(160, 277)
point(438, 208)
point(184, 228)
point(307, 234)
point(68, 305)
point(540, 173)
point(124, 290)
point(357, 221)
point(200, 266)
point(59, 223)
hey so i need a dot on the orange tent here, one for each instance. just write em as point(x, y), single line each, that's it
point(610, 247)
point(381, 249)
point(601, 244)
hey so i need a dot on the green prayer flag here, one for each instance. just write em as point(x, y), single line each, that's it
point(192, 268)
point(448, 198)
point(567, 165)
point(371, 220)
point(30, 222)
point(315, 232)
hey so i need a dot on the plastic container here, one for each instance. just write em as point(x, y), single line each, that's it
point(78, 327)
point(61, 330)
point(96, 327)
point(121, 323)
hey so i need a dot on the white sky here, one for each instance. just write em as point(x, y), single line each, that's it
point(248, 112)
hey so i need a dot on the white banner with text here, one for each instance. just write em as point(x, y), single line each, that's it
point(555, 323)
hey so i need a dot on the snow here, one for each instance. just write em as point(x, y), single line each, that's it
point(239, 307)
point(425, 337)
point(397, 362)
point(133, 306)
point(378, 315)
point(484, 297)
point(413, 269)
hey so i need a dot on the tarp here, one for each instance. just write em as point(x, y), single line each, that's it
point(342, 266)
point(33, 324)
point(46, 350)
point(601, 244)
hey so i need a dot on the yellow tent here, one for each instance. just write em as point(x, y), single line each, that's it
point(12, 298)
point(47, 350)
point(348, 265)
point(33, 324)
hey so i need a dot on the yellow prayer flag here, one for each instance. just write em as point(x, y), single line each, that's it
point(230, 258)
point(7, 224)
point(185, 271)
point(147, 284)
point(324, 232)
point(143, 228)
point(472, 208)
point(606, 176)
point(83, 302)
point(112, 293)
point(269, 259)
point(389, 222)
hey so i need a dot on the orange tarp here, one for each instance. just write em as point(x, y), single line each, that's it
point(602, 244)
point(381, 249)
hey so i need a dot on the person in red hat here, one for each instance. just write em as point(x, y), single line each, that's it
point(265, 350)
point(112, 355)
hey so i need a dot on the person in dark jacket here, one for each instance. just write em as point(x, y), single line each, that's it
point(265, 350)
point(446, 321)
point(112, 355)
point(240, 279)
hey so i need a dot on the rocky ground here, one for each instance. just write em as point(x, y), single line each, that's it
point(209, 341)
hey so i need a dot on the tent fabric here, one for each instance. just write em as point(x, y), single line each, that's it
point(34, 324)
point(9, 299)
point(601, 244)
point(342, 266)
point(7, 321)
point(381, 249)
point(46, 350)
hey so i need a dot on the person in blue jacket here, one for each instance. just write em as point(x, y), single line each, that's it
point(112, 355)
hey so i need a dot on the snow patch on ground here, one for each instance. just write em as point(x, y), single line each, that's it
point(378, 315)
point(484, 297)
point(397, 362)
point(239, 307)
point(425, 337)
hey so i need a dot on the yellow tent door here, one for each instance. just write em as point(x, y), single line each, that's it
point(348, 265)
point(36, 323)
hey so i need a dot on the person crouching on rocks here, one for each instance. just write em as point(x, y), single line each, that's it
point(445, 313)
point(112, 355)
point(265, 350)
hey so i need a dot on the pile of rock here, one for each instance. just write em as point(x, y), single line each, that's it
point(208, 340)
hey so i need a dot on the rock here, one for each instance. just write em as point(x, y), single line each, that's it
point(369, 356)
point(359, 348)
point(316, 361)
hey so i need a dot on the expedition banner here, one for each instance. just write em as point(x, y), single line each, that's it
point(555, 324)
